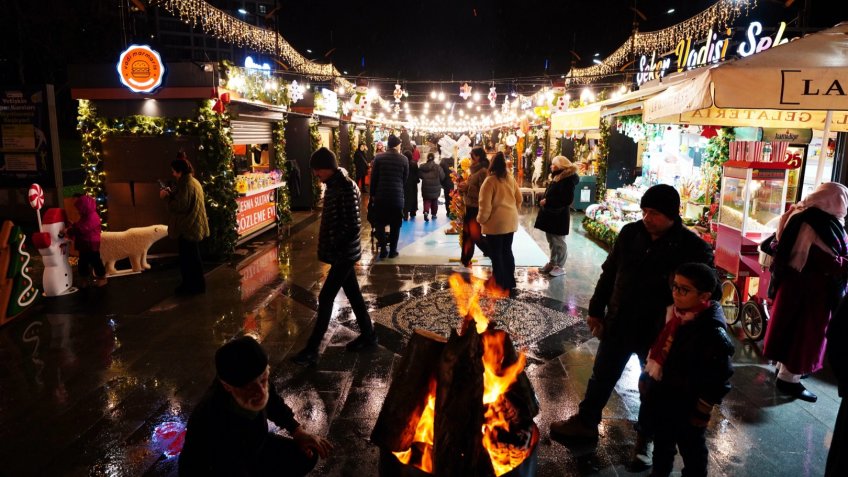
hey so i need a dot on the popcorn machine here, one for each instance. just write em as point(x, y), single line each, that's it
point(752, 199)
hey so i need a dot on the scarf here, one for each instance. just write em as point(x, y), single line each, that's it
point(826, 228)
point(659, 351)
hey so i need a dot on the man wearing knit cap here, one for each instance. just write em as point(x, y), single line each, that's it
point(628, 308)
point(388, 178)
point(338, 245)
point(228, 430)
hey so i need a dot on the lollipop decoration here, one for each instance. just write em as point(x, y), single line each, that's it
point(36, 200)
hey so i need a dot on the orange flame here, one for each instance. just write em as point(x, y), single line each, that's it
point(499, 411)
point(423, 434)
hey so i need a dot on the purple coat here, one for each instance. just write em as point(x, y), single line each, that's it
point(86, 231)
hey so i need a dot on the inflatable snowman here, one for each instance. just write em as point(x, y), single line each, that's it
point(53, 247)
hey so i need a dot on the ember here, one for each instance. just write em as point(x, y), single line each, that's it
point(461, 407)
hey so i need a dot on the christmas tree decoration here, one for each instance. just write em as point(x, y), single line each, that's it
point(17, 290)
point(493, 96)
point(465, 91)
point(53, 245)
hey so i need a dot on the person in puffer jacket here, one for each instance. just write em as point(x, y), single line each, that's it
point(86, 236)
point(338, 245)
point(431, 175)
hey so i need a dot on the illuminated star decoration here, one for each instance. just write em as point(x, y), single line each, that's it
point(493, 96)
point(465, 91)
point(295, 92)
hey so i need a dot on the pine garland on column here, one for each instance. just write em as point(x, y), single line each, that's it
point(603, 157)
point(283, 195)
point(354, 146)
point(369, 139)
point(315, 143)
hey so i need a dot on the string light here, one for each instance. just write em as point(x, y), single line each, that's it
point(720, 15)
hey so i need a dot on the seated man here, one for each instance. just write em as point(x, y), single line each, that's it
point(228, 430)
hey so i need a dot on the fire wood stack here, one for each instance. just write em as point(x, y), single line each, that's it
point(453, 446)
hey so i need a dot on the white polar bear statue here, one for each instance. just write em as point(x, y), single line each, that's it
point(131, 243)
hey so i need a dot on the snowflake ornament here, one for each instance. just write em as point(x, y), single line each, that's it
point(465, 91)
point(295, 92)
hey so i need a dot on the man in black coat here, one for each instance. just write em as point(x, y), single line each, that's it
point(228, 431)
point(628, 308)
point(360, 162)
point(339, 245)
point(388, 178)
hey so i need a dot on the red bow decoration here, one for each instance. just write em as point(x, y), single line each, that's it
point(709, 132)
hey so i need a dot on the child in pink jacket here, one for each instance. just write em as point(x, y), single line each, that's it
point(86, 236)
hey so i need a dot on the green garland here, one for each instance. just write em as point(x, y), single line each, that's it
point(283, 195)
point(546, 156)
point(337, 144)
point(716, 153)
point(599, 231)
point(214, 160)
point(354, 146)
point(602, 162)
point(314, 144)
point(369, 139)
point(559, 148)
point(256, 86)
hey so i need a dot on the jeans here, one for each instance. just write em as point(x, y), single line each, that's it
point(559, 249)
point(610, 361)
point(674, 432)
point(394, 219)
point(503, 262)
point(89, 261)
point(341, 276)
point(431, 206)
point(191, 268)
point(471, 236)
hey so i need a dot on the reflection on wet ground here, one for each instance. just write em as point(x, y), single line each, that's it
point(102, 382)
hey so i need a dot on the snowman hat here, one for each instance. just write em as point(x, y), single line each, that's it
point(54, 216)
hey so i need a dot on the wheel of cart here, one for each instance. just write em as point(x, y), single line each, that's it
point(730, 300)
point(754, 319)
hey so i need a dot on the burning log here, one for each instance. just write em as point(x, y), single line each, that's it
point(521, 394)
point(408, 394)
point(458, 449)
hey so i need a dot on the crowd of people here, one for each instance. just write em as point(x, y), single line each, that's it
point(656, 297)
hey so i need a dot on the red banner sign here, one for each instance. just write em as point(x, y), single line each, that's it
point(255, 212)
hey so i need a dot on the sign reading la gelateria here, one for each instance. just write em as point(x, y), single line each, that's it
point(688, 55)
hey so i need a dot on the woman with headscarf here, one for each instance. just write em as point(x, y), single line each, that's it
point(554, 216)
point(808, 282)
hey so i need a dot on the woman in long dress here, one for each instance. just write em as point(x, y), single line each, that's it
point(808, 281)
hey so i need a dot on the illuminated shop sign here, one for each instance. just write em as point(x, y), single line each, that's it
point(688, 55)
point(140, 68)
point(251, 66)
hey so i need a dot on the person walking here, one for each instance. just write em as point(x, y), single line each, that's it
point(431, 185)
point(554, 216)
point(339, 245)
point(227, 432)
point(470, 189)
point(188, 224)
point(628, 308)
point(410, 189)
point(499, 201)
point(360, 162)
point(808, 282)
point(388, 177)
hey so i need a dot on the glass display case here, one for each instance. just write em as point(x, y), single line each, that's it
point(752, 200)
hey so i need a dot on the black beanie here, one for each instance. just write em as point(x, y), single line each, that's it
point(393, 141)
point(323, 158)
point(664, 199)
point(240, 361)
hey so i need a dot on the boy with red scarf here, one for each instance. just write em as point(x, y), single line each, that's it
point(687, 372)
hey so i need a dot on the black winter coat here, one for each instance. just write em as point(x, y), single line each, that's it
point(555, 217)
point(410, 191)
point(431, 175)
point(360, 161)
point(446, 164)
point(221, 440)
point(698, 365)
point(388, 178)
point(633, 290)
point(338, 238)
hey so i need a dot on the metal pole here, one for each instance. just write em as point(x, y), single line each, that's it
point(823, 150)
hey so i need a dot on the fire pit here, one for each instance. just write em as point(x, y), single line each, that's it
point(460, 406)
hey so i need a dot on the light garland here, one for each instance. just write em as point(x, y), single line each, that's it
point(720, 15)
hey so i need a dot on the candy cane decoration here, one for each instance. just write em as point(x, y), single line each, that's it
point(36, 200)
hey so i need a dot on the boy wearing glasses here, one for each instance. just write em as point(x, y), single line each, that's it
point(687, 371)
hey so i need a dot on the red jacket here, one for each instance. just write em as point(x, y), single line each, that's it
point(86, 231)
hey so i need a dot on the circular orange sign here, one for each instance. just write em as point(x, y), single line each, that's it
point(140, 68)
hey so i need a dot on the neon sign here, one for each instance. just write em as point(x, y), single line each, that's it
point(753, 44)
point(140, 68)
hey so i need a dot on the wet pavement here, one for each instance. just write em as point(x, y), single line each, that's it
point(102, 382)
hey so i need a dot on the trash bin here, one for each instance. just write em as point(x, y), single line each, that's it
point(584, 193)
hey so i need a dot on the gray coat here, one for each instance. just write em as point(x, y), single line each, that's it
point(431, 175)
